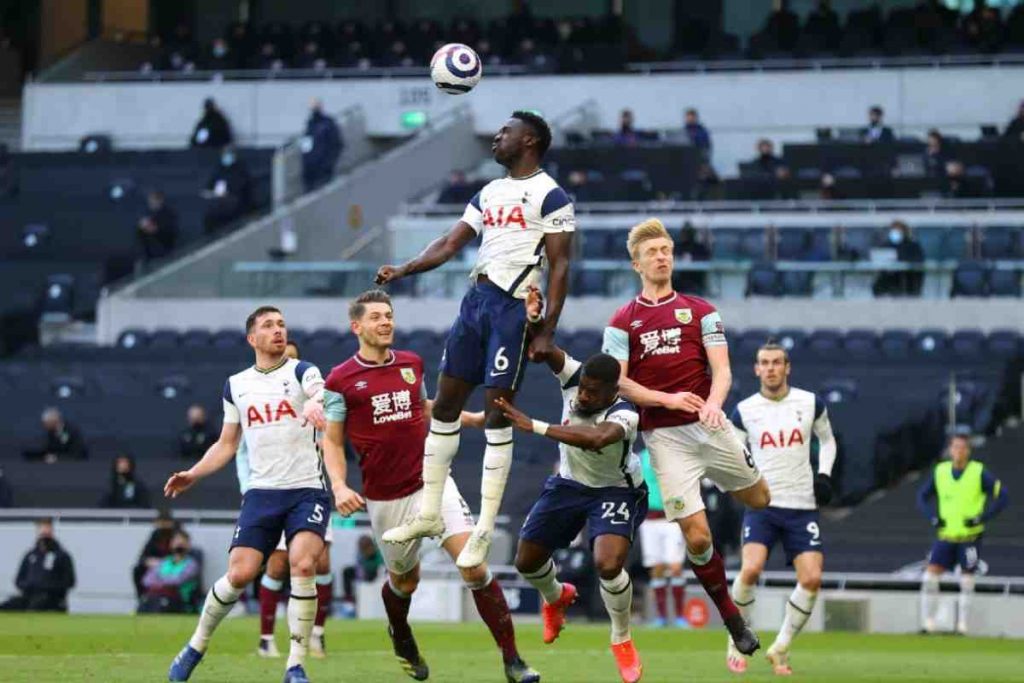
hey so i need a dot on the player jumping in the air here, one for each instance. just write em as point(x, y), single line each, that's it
point(778, 423)
point(377, 398)
point(523, 217)
point(276, 570)
point(675, 365)
point(275, 405)
point(959, 497)
point(599, 485)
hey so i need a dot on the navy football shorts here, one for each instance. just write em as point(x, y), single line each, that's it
point(798, 530)
point(566, 506)
point(948, 554)
point(266, 513)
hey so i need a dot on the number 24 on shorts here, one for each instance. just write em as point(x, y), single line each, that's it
point(618, 515)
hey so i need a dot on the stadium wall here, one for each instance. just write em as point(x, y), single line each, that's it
point(116, 314)
point(737, 107)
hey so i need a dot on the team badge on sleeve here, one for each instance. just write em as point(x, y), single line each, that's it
point(684, 315)
point(408, 375)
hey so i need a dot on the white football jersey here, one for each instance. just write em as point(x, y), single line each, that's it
point(514, 214)
point(779, 433)
point(280, 452)
point(614, 465)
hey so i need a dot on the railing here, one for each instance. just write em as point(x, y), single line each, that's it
point(282, 74)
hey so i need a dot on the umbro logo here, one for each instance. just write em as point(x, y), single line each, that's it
point(360, 385)
point(635, 324)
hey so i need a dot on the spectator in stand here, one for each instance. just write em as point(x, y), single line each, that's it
point(213, 129)
point(908, 250)
point(488, 57)
point(823, 23)
point(457, 190)
point(45, 576)
point(321, 147)
point(6, 492)
point(827, 189)
point(708, 186)
point(312, 56)
point(368, 565)
point(696, 133)
point(766, 162)
point(935, 155)
point(877, 131)
point(1015, 128)
point(227, 191)
point(626, 135)
point(397, 55)
point(958, 185)
point(126, 491)
point(267, 59)
point(578, 187)
point(171, 585)
point(196, 438)
point(782, 26)
point(688, 249)
point(61, 440)
point(157, 547)
point(157, 230)
point(222, 57)
point(983, 28)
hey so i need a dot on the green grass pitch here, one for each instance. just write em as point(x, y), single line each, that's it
point(69, 649)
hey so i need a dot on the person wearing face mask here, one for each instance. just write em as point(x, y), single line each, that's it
point(213, 129)
point(321, 147)
point(908, 250)
point(227, 192)
point(125, 490)
point(45, 576)
point(172, 584)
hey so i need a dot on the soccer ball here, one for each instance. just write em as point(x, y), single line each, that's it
point(455, 68)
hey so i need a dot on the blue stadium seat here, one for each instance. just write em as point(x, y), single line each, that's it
point(861, 344)
point(794, 244)
point(932, 241)
point(199, 339)
point(955, 245)
point(426, 343)
point(847, 173)
point(59, 297)
point(172, 387)
point(857, 241)
point(967, 344)
point(931, 343)
point(1000, 242)
point(825, 343)
point(763, 280)
point(228, 339)
point(68, 386)
point(834, 391)
point(746, 343)
point(585, 343)
point(754, 244)
point(792, 340)
point(298, 335)
point(164, 338)
point(725, 244)
point(895, 344)
point(970, 279)
point(1003, 343)
point(796, 283)
point(590, 283)
point(595, 244)
point(1004, 283)
point(820, 246)
point(324, 337)
point(133, 338)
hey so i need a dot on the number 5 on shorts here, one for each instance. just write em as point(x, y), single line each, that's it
point(318, 514)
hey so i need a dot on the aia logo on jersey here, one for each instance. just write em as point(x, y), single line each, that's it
point(768, 440)
point(504, 219)
point(270, 414)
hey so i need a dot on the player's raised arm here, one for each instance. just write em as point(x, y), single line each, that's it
point(592, 438)
point(217, 455)
point(557, 247)
point(346, 500)
point(826, 453)
point(441, 250)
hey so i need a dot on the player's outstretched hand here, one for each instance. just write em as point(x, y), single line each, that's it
point(313, 411)
point(178, 484)
point(347, 501)
point(386, 274)
point(712, 417)
point(685, 401)
point(515, 416)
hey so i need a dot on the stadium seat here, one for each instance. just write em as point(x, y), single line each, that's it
point(324, 337)
point(763, 280)
point(164, 339)
point(595, 244)
point(1003, 343)
point(132, 339)
point(861, 344)
point(68, 386)
point(794, 244)
point(970, 279)
point(228, 339)
point(298, 335)
point(825, 344)
point(58, 301)
point(725, 244)
point(1004, 283)
point(585, 343)
point(590, 283)
point(173, 386)
point(1000, 242)
point(200, 339)
point(857, 242)
point(796, 283)
point(931, 344)
point(792, 340)
point(745, 344)
point(967, 344)
point(754, 244)
point(895, 344)
point(834, 391)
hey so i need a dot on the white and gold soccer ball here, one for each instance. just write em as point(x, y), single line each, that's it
point(455, 68)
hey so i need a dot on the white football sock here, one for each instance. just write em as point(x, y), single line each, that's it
point(219, 602)
point(964, 601)
point(497, 463)
point(617, 595)
point(439, 450)
point(929, 595)
point(301, 614)
point(545, 580)
point(798, 611)
point(744, 595)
